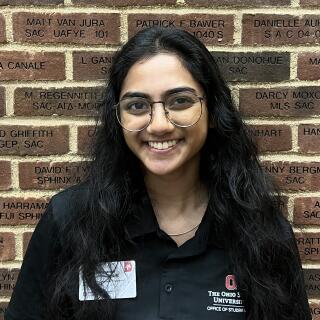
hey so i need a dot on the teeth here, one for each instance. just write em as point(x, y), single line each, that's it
point(162, 145)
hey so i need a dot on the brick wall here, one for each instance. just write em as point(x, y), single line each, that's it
point(55, 55)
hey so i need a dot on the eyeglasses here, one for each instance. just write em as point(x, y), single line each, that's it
point(182, 109)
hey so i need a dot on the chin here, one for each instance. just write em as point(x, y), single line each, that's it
point(158, 170)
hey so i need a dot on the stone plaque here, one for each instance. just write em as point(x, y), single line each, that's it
point(271, 137)
point(308, 245)
point(295, 176)
point(19, 65)
point(210, 29)
point(281, 101)
point(91, 65)
point(307, 210)
point(27, 140)
point(7, 246)
point(70, 101)
point(312, 283)
point(315, 310)
point(309, 66)
point(309, 138)
point(51, 175)
point(8, 278)
point(284, 29)
point(83, 28)
point(21, 211)
point(254, 66)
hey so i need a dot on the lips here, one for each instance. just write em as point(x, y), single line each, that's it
point(163, 145)
point(155, 150)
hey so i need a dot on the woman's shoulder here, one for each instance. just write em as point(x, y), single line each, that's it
point(65, 204)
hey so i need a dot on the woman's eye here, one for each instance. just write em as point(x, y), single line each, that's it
point(136, 105)
point(181, 101)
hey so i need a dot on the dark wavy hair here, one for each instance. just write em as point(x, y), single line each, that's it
point(244, 201)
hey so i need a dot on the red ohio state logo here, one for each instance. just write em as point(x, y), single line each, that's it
point(127, 266)
point(231, 282)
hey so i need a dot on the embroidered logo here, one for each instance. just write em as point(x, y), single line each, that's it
point(228, 300)
point(231, 282)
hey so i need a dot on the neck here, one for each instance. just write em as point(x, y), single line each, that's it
point(176, 195)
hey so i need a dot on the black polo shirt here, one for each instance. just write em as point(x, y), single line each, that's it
point(189, 282)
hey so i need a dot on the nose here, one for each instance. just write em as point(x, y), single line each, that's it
point(159, 122)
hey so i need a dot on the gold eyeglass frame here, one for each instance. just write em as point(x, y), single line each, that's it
point(151, 103)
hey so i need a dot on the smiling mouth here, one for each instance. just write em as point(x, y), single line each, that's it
point(163, 145)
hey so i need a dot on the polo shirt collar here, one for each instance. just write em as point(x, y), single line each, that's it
point(142, 221)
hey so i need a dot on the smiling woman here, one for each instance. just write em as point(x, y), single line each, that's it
point(176, 218)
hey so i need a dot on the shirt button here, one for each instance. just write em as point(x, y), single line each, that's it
point(168, 288)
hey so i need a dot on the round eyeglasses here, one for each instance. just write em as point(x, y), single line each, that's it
point(182, 109)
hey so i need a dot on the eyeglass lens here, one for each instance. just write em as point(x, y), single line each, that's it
point(182, 109)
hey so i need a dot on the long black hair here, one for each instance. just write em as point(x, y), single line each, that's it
point(244, 202)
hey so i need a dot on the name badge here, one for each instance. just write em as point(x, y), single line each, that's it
point(119, 281)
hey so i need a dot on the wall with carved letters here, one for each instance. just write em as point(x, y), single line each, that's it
point(54, 59)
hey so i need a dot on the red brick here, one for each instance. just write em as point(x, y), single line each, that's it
point(67, 101)
point(2, 101)
point(79, 28)
point(253, 66)
point(309, 138)
point(309, 3)
point(309, 66)
point(7, 246)
point(280, 101)
point(210, 29)
point(271, 137)
point(295, 176)
point(5, 175)
point(3, 308)
point(123, 3)
point(21, 211)
point(312, 279)
point(51, 175)
point(308, 245)
point(315, 310)
point(2, 29)
point(307, 211)
point(27, 140)
point(91, 65)
point(30, 2)
point(284, 29)
point(26, 239)
point(8, 279)
point(85, 135)
point(18, 65)
point(254, 3)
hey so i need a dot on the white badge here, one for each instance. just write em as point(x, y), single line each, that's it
point(120, 284)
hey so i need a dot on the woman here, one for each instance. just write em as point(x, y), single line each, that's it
point(175, 195)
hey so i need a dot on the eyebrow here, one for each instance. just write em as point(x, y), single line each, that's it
point(131, 94)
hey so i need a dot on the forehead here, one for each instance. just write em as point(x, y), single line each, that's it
point(157, 74)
